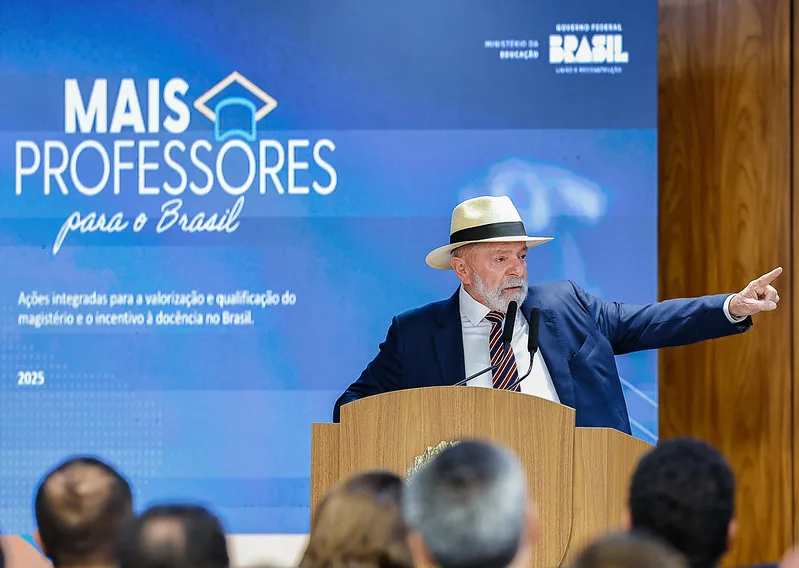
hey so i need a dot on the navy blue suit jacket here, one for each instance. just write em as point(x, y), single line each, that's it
point(579, 335)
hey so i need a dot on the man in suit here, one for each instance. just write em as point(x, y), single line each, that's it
point(447, 341)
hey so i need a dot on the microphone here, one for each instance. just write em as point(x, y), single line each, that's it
point(507, 337)
point(532, 338)
point(532, 344)
point(507, 331)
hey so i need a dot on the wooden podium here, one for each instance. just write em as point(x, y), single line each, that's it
point(577, 476)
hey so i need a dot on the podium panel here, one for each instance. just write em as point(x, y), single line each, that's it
point(564, 464)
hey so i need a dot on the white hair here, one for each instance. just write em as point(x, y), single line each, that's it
point(494, 298)
point(470, 506)
point(464, 250)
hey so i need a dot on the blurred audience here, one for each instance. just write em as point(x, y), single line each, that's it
point(683, 492)
point(79, 508)
point(628, 551)
point(19, 553)
point(468, 508)
point(174, 536)
point(791, 559)
point(359, 524)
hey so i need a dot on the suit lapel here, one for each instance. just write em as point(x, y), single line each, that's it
point(448, 340)
point(552, 348)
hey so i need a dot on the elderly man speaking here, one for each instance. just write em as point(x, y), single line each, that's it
point(450, 341)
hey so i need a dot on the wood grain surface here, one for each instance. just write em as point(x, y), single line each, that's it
point(389, 430)
point(795, 250)
point(577, 477)
point(725, 218)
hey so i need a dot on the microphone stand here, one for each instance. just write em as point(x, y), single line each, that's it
point(532, 344)
point(518, 381)
point(507, 337)
point(505, 347)
point(467, 379)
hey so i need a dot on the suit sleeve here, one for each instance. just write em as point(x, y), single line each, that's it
point(663, 324)
point(382, 374)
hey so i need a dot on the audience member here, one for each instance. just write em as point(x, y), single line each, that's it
point(174, 536)
point(466, 508)
point(79, 508)
point(683, 492)
point(469, 508)
point(791, 558)
point(19, 553)
point(359, 524)
point(628, 551)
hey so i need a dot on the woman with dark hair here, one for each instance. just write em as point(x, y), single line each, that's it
point(359, 525)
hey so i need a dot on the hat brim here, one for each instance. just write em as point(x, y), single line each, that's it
point(440, 257)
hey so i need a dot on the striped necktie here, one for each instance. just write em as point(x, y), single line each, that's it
point(506, 374)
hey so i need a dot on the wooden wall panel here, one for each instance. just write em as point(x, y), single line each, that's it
point(795, 251)
point(725, 218)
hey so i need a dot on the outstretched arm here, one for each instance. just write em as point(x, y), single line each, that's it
point(681, 321)
point(382, 374)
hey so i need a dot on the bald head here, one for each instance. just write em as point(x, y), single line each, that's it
point(80, 506)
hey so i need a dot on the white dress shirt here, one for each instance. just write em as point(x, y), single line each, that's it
point(476, 330)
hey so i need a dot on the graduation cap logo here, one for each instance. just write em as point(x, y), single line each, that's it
point(239, 110)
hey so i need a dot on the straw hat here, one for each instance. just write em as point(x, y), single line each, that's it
point(482, 220)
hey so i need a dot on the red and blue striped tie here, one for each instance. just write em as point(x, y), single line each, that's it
point(506, 374)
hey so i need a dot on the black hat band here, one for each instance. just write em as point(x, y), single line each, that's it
point(490, 231)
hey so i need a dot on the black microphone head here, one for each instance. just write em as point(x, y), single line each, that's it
point(510, 318)
point(532, 336)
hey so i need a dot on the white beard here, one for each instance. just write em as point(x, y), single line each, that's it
point(495, 299)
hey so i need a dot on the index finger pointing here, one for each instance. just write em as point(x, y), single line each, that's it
point(767, 279)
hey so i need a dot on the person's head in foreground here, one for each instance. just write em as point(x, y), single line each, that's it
point(359, 523)
point(469, 508)
point(791, 558)
point(488, 251)
point(683, 492)
point(628, 551)
point(174, 536)
point(80, 506)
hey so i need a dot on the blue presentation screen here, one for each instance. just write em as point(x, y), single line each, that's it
point(212, 210)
